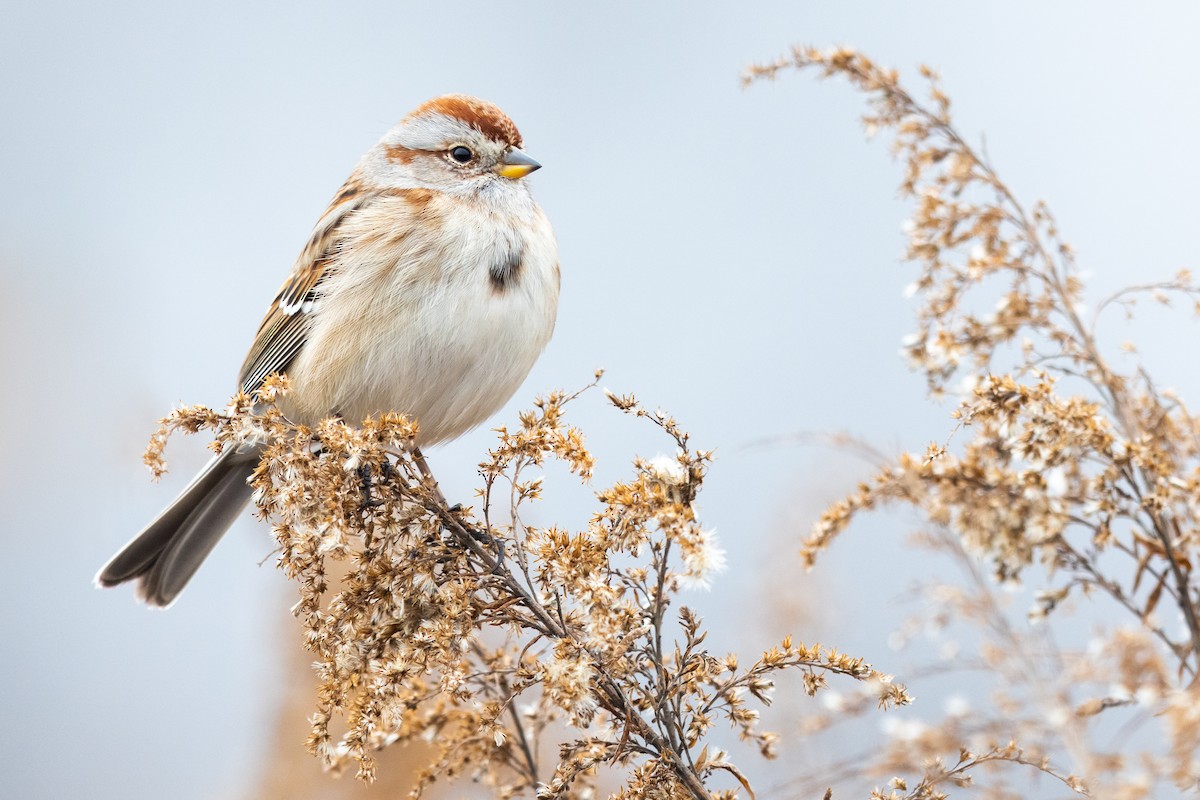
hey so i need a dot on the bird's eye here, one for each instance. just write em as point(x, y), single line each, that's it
point(461, 154)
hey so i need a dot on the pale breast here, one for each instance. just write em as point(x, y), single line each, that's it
point(435, 309)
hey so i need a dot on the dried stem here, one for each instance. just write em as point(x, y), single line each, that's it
point(397, 641)
point(1056, 444)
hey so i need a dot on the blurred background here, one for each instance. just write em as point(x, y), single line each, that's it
point(729, 255)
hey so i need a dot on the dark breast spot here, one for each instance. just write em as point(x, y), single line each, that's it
point(505, 267)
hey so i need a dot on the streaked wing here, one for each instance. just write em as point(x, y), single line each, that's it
point(285, 327)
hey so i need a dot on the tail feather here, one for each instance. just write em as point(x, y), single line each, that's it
point(163, 557)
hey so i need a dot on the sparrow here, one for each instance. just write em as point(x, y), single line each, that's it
point(429, 287)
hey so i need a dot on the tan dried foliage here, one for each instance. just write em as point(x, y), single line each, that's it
point(535, 660)
point(1060, 459)
point(541, 660)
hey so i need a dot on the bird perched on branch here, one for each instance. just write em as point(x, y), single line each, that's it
point(429, 287)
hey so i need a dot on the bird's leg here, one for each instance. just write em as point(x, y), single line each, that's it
point(364, 475)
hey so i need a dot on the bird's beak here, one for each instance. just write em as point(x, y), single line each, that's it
point(516, 165)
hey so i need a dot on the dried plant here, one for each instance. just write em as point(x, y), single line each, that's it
point(1065, 472)
point(534, 659)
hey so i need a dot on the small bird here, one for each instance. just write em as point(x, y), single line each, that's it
point(429, 287)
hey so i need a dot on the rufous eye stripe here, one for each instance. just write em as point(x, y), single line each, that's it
point(401, 154)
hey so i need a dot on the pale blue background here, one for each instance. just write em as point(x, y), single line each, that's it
point(729, 255)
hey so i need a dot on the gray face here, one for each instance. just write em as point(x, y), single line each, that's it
point(436, 151)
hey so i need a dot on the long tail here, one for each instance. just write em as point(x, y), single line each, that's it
point(168, 551)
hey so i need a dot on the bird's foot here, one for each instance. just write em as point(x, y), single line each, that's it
point(367, 484)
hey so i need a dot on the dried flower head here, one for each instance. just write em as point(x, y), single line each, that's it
point(493, 639)
point(1067, 471)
